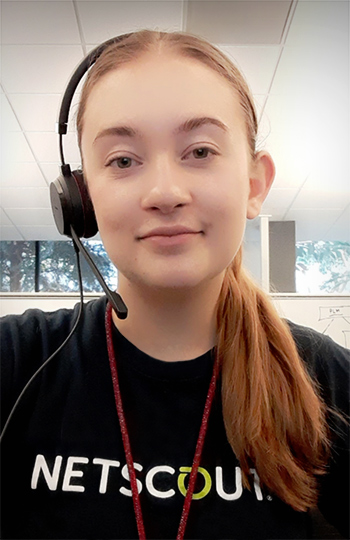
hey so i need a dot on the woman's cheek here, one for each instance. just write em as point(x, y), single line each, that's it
point(109, 206)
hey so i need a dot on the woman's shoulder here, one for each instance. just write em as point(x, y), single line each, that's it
point(34, 322)
point(326, 361)
point(316, 347)
point(29, 338)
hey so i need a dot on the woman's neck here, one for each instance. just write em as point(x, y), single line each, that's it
point(170, 325)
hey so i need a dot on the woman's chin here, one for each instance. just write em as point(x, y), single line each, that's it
point(174, 282)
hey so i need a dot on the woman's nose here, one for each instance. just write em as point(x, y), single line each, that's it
point(165, 187)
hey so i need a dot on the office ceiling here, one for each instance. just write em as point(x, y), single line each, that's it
point(295, 55)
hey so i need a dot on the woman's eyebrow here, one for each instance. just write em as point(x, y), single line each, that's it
point(187, 126)
point(196, 122)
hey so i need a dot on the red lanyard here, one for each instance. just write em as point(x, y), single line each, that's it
point(126, 440)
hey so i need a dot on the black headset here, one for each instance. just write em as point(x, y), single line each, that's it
point(71, 204)
point(73, 211)
point(70, 201)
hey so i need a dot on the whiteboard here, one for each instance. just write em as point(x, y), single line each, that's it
point(328, 314)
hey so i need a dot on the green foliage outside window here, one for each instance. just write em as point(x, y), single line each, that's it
point(57, 267)
point(17, 266)
point(323, 267)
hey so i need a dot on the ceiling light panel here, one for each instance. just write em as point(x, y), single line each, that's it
point(238, 22)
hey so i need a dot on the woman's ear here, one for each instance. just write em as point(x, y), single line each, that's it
point(262, 174)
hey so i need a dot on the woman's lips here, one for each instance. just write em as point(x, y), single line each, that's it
point(174, 239)
point(174, 230)
point(169, 236)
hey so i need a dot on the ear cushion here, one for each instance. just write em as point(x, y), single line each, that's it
point(71, 205)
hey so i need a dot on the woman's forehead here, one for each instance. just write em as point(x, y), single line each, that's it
point(162, 84)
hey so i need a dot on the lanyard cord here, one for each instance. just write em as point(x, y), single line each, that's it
point(126, 440)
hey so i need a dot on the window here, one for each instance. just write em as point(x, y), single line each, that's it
point(322, 267)
point(49, 266)
point(17, 264)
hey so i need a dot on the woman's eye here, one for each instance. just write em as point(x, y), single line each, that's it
point(201, 152)
point(122, 162)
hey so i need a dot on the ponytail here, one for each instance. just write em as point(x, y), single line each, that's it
point(274, 418)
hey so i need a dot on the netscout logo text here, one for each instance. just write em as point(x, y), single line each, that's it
point(161, 481)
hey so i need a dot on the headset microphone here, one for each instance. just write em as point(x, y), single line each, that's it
point(71, 205)
point(69, 196)
point(114, 298)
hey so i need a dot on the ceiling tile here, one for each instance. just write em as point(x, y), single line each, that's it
point(31, 217)
point(45, 146)
point(26, 197)
point(10, 234)
point(319, 23)
point(14, 148)
point(8, 120)
point(340, 230)
point(291, 171)
point(315, 59)
point(36, 112)
point(25, 174)
point(318, 198)
point(39, 22)
point(280, 198)
point(39, 112)
point(38, 68)
point(309, 226)
point(301, 75)
point(41, 233)
point(4, 219)
point(238, 22)
point(257, 64)
point(101, 20)
point(332, 173)
point(308, 137)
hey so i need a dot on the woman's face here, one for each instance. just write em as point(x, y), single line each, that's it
point(168, 168)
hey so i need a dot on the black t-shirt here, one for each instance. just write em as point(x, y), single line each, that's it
point(64, 472)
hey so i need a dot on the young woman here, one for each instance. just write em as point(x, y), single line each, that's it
point(202, 414)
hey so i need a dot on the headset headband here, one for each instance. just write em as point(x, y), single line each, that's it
point(83, 67)
point(70, 200)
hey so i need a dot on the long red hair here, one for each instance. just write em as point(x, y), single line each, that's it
point(274, 418)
